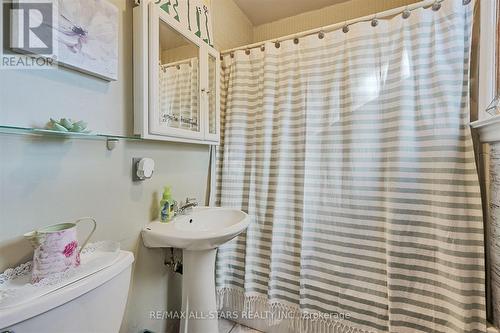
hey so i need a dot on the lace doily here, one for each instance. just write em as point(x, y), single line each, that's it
point(16, 286)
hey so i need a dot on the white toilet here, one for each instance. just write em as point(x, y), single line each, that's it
point(94, 304)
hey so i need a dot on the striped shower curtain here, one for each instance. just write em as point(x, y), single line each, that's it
point(353, 155)
point(179, 94)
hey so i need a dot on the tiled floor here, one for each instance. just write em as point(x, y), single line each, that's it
point(226, 326)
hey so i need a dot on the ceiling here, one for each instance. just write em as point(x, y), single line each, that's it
point(264, 11)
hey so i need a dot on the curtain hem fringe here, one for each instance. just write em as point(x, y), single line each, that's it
point(236, 300)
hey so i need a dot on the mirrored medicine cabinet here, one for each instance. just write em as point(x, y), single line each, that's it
point(176, 80)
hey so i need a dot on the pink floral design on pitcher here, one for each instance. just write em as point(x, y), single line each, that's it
point(70, 248)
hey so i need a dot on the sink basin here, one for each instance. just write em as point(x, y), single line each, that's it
point(203, 229)
point(198, 233)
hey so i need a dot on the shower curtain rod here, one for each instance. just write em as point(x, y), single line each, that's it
point(178, 62)
point(336, 26)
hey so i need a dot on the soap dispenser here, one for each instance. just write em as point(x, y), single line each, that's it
point(166, 205)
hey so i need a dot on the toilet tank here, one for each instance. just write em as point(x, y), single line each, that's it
point(94, 304)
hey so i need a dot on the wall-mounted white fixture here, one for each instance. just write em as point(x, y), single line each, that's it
point(143, 168)
point(157, 35)
point(488, 129)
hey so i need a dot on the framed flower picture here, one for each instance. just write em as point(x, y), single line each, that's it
point(87, 37)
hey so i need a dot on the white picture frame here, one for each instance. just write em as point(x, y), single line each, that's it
point(87, 37)
point(84, 36)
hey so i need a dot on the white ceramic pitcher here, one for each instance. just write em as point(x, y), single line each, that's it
point(56, 248)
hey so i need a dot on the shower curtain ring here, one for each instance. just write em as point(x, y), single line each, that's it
point(321, 34)
point(345, 28)
point(406, 13)
point(436, 6)
point(466, 2)
point(374, 22)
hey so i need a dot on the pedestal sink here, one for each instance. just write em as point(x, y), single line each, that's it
point(198, 234)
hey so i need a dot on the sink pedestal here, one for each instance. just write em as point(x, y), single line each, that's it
point(198, 292)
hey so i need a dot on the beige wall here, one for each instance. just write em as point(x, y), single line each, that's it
point(179, 53)
point(325, 16)
point(231, 27)
point(46, 181)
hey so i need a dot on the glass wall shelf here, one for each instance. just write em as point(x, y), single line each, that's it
point(110, 139)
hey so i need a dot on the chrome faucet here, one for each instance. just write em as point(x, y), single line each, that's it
point(186, 207)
